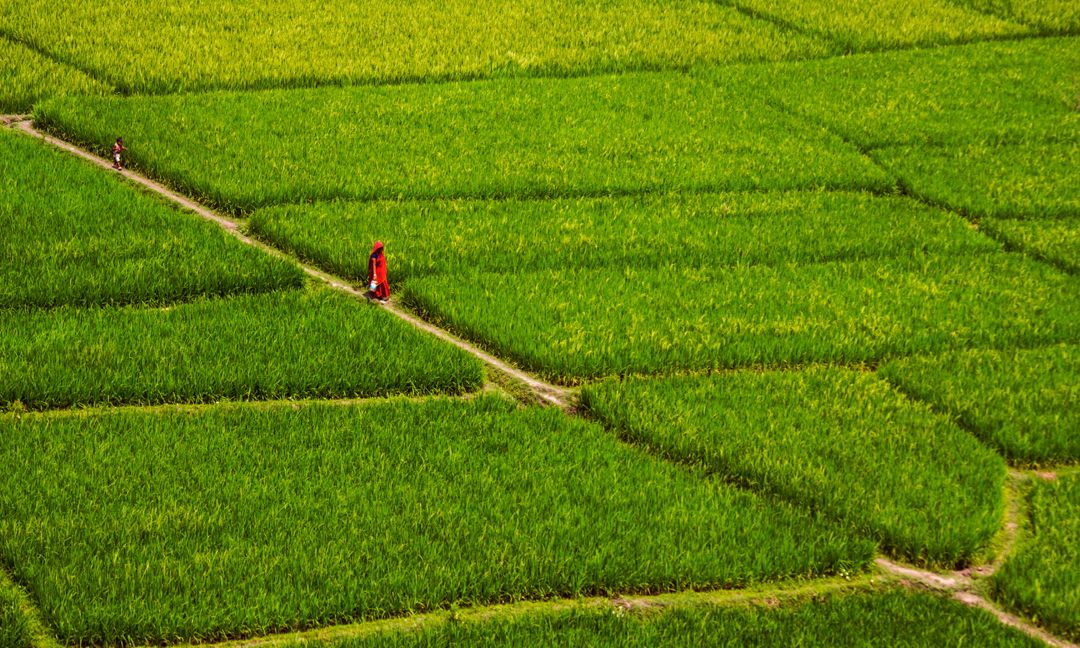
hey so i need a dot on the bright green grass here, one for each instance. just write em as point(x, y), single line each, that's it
point(579, 324)
point(278, 345)
point(505, 138)
point(14, 626)
point(696, 230)
point(1010, 91)
point(1048, 16)
point(27, 76)
point(1042, 578)
point(872, 24)
point(166, 46)
point(1055, 240)
point(832, 439)
point(891, 618)
point(74, 235)
point(1024, 402)
point(245, 520)
point(1011, 181)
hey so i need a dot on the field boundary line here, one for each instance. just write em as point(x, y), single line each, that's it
point(545, 392)
point(771, 595)
point(40, 637)
point(46, 54)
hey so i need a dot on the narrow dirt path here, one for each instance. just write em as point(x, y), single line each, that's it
point(961, 586)
point(543, 391)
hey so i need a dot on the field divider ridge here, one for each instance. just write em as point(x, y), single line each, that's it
point(51, 56)
point(544, 392)
point(903, 188)
point(771, 595)
point(40, 637)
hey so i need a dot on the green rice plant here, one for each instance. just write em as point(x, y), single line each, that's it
point(832, 439)
point(1042, 579)
point(73, 235)
point(240, 520)
point(425, 237)
point(571, 324)
point(1048, 16)
point(168, 46)
point(1001, 92)
point(1054, 240)
point(27, 76)
point(1025, 402)
point(874, 24)
point(279, 345)
point(886, 618)
point(506, 138)
point(14, 626)
point(1011, 181)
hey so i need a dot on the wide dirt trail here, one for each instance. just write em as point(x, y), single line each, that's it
point(542, 391)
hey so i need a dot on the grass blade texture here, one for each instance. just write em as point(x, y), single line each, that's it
point(1053, 240)
point(831, 439)
point(1026, 403)
point(984, 93)
point(74, 235)
point(1019, 181)
point(873, 24)
point(14, 626)
point(895, 618)
point(578, 324)
point(445, 237)
point(27, 76)
point(279, 345)
point(169, 46)
point(1048, 16)
point(505, 138)
point(1042, 578)
point(244, 520)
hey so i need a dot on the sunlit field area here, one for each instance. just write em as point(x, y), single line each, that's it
point(709, 322)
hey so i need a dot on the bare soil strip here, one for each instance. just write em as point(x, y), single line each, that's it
point(544, 392)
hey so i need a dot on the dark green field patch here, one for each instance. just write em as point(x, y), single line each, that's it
point(1026, 403)
point(74, 235)
point(495, 139)
point(831, 439)
point(279, 345)
point(698, 230)
point(247, 520)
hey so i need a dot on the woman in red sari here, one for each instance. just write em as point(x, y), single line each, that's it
point(377, 273)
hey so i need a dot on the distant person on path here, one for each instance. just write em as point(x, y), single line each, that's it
point(117, 149)
point(377, 285)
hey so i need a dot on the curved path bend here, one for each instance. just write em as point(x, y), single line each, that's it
point(543, 392)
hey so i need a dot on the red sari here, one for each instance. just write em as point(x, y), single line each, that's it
point(377, 271)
